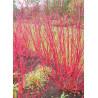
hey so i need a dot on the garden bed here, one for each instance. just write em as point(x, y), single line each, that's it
point(53, 91)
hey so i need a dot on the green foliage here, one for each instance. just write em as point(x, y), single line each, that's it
point(36, 78)
point(15, 89)
point(64, 96)
point(15, 75)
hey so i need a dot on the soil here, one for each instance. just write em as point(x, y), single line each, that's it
point(54, 92)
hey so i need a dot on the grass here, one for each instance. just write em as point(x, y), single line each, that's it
point(36, 78)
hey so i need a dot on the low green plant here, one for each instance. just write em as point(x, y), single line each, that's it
point(15, 75)
point(36, 78)
point(15, 89)
point(63, 95)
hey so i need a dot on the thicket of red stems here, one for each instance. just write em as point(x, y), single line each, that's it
point(20, 40)
point(61, 49)
point(63, 54)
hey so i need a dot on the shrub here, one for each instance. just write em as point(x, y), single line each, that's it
point(62, 51)
point(64, 54)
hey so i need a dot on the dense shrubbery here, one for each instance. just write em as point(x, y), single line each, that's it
point(56, 45)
